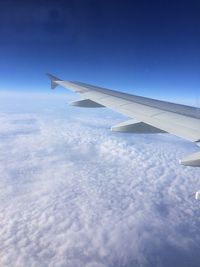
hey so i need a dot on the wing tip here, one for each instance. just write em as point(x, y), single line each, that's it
point(53, 79)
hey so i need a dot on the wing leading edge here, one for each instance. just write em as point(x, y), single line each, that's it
point(151, 115)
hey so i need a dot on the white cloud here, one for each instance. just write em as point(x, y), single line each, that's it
point(74, 194)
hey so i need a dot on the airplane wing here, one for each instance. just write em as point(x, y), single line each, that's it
point(146, 115)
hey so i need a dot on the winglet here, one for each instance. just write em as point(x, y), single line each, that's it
point(53, 79)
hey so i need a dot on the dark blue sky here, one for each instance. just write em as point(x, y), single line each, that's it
point(146, 47)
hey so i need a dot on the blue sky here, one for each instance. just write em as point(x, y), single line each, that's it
point(145, 47)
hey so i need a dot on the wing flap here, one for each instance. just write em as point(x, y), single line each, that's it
point(180, 125)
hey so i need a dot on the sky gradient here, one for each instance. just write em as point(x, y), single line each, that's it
point(72, 192)
point(149, 48)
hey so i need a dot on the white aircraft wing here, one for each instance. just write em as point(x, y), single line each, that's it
point(146, 115)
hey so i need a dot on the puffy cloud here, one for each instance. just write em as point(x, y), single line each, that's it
point(74, 194)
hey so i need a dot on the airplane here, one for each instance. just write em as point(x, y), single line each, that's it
point(146, 115)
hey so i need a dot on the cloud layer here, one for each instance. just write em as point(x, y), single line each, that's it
point(74, 194)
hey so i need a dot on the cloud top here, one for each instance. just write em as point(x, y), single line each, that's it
point(75, 194)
